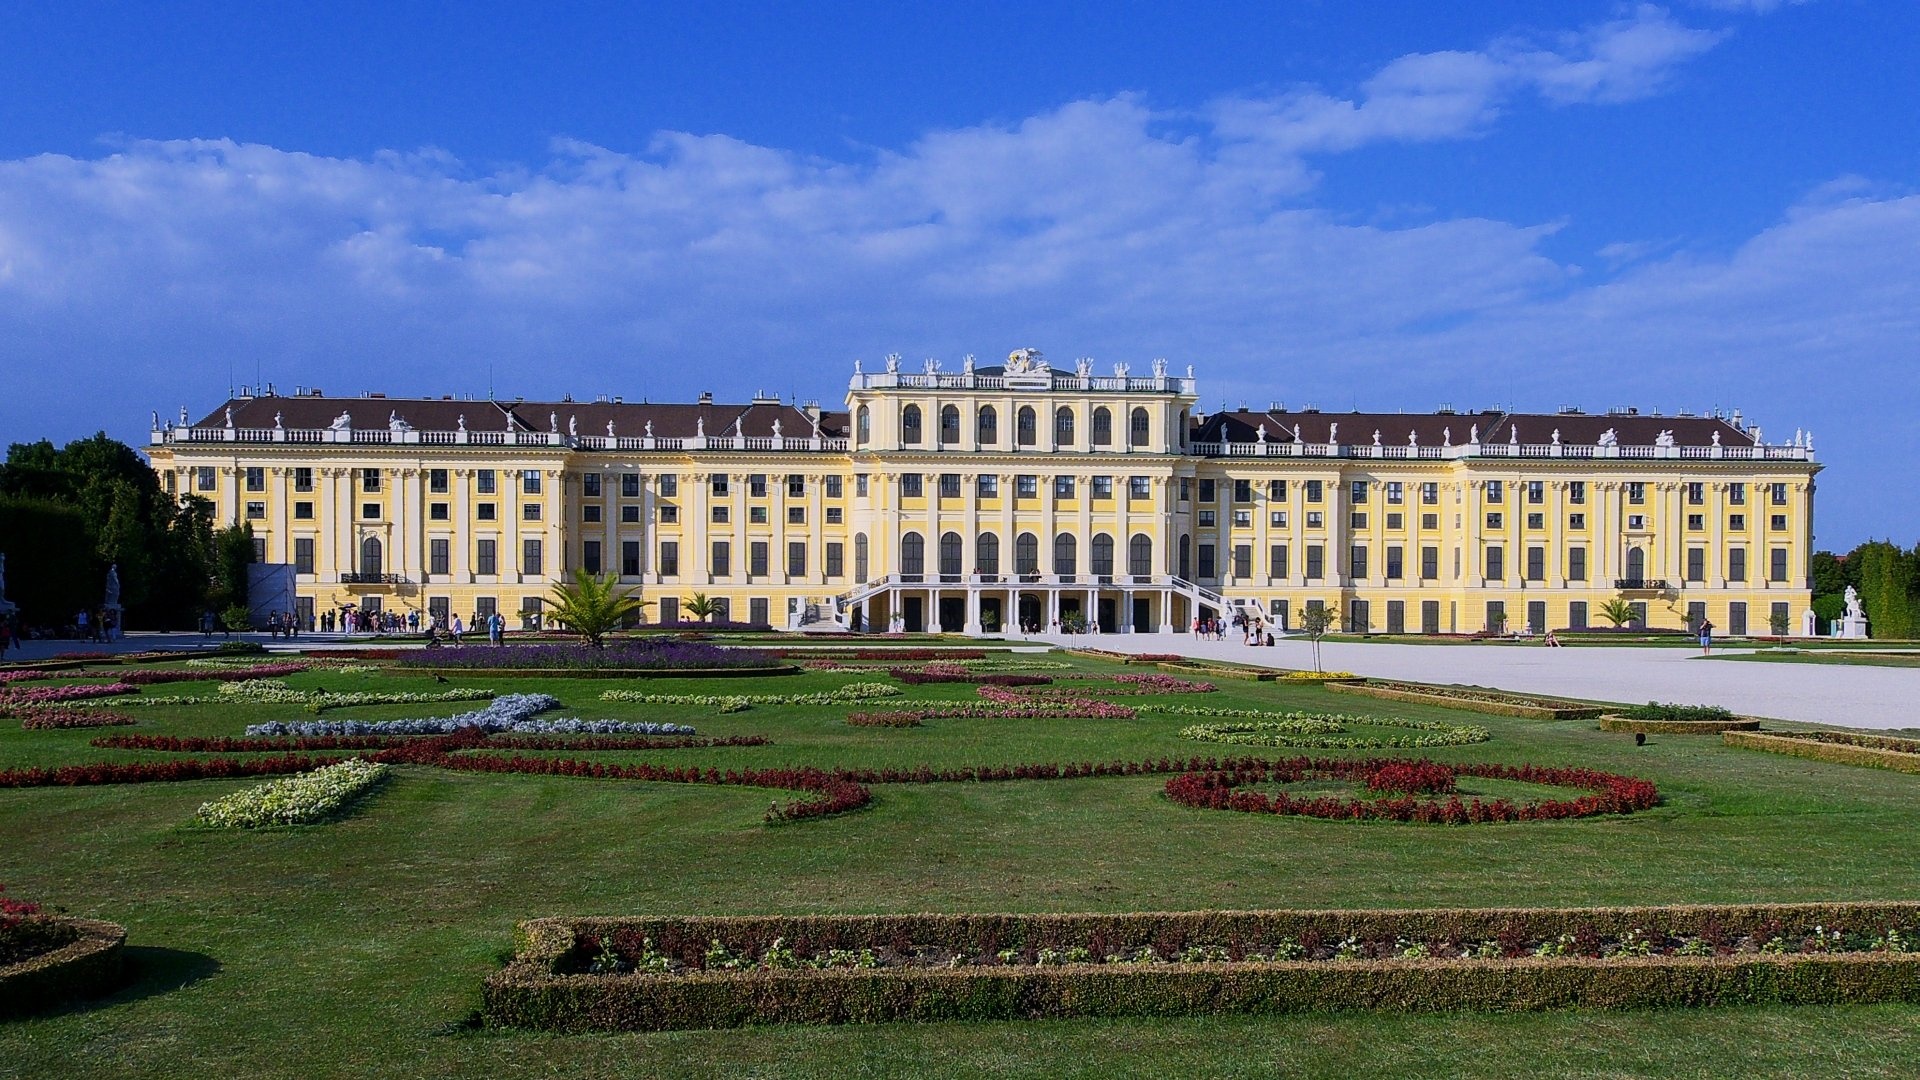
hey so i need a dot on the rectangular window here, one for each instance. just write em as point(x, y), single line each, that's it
point(485, 557)
point(1577, 564)
point(1243, 491)
point(1777, 494)
point(1696, 522)
point(256, 478)
point(669, 486)
point(1357, 492)
point(1316, 562)
point(717, 485)
point(1737, 522)
point(1779, 618)
point(1536, 521)
point(1396, 521)
point(484, 607)
point(757, 558)
point(1276, 491)
point(1243, 561)
point(1278, 519)
point(987, 487)
point(530, 481)
point(303, 555)
point(756, 515)
point(1636, 521)
point(1496, 563)
point(1103, 487)
point(1356, 562)
point(835, 487)
point(1496, 617)
point(1396, 562)
point(860, 485)
point(439, 557)
point(796, 558)
point(1316, 491)
point(437, 482)
point(1636, 493)
point(1359, 616)
point(1576, 521)
point(1536, 564)
point(669, 610)
point(1316, 519)
point(1536, 492)
point(720, 558)
point(1496, 521)
point(1577, 492)
point(1206, 561)
point(1277, 561)
point(1696, 494)
point(630, 485)
point(669, 513)
point(950, 485)
point(303, 479)
point(1777, 564)
point(1063, 487)
point(1429, 564)
point(1736, 494)
point(1139, 487)
point(1357, 520)
point(370, 511)
point(630, 558)
point(796, 485)
point(1429, 494)
point(1778, 523)
point(910, 486)
point(669, 558)
point(834, 515)
point(1395, 493)
point(718, 514)
point(1577, 615)
point(796, 515)
point(369, 479)
point(256, 511)
point(1186, 489)
point(1243, 519)
point(529, 511)
point(1696, 564)
point(590, 485)
point(1206, 491)
point(485, 511)
point(836, 559)
point(1737, 564)
point(757, 485)
point(757, 610)
point(483, 481)
point(1496, 491)
point(587, 513)
point(439, 512)
point(1208, 518)
point(530, 556)
point(1026, 487)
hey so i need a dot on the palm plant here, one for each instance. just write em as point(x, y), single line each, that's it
point(702, 607)
point(1618, 611)
point(593, 605)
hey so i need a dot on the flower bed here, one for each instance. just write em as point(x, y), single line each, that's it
point(275, 692)
point(1323, 731)
point(648, 654)
point(884, 719)
point(860, 691)
point(508, 712)
point(213, 671)
point(14, 700)
point(55, 719)
point(1318, 676)
point(1471, 699)
point(1656, 711)
point(298, 800)
point(1678, 727)
point(1223, 790)
point(146, 772)
point(506, 740)
point(1840, 748)
point(26, 931)
point(933, 673)
point(661, 973)
point(1213, 671)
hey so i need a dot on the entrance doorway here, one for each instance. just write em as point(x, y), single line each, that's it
point(990, 615)
point(913, 611)
point(1109, 615)
point(1142, 616)
point(953, 614)
point(1030, 612)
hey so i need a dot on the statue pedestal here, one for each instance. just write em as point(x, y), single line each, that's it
point(1853, 626)
point(1808, 625)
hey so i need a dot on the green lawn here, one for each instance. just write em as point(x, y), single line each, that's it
point(1858, 659)
point(358, 948)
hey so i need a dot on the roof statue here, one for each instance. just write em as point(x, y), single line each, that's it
point(461, 424)
point(814, 419)
point(229, 416)
point(932, 365)
point(1608, 437)
point(1333, 433)
point(1296, 433)
point(856, 366)
point(1260, 436)
point(737, 429)
point(553, 423)
point(1513, 434)
point(1189, 371)
point(649, 429)
point(1665, 438)
point(966, 363)
point(1473, 434)
point(1413, 437)
point(395, 424)
point(156, 420)
point(609, 429)
point(1376, 436)
point(343, 422)
point(1026, 362)
point(1556, 436)
point(700, 426)
point(1716, 438)
point(1809, 442)
point(276, 421)
point(183, 416)
point(776, 427)
point(893, 363)
point(1757, 440)
point(1446, 436)
point(1120, 370)
point(1160, 367)
point(1083, 367)
point(573, 426)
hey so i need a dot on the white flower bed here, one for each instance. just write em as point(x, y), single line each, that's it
point(508, 712)
point(277, 692)
point(295, 800)
point(852, 692)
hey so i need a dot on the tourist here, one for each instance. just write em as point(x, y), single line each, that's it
point(1553, 641)
point(1706, 637)
point(457, 629)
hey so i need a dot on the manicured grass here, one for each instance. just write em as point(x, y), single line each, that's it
point(357, 948)
point(1835, 656)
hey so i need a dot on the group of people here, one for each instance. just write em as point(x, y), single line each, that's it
point(1254, 628)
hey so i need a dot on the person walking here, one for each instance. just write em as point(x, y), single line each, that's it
point(457, 629)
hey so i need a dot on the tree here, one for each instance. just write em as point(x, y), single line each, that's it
point(233, 553)
point(1315, 621)
point(1886, 588)
point(593, 605)
point(1618, 611)
point(702, 607)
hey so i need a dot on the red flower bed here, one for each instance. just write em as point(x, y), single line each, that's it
point(935, 674)
point(256, 671)
point(56, 719)
point(1412, 778)
point(143, 772)
point(884, 719)
point(282, 744)
point(1217, 790)
point(918, 656)
point(81, 656)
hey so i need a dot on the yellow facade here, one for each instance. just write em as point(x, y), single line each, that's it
point(962, 500)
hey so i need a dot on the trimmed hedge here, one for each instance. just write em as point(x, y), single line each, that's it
point(1677, 727)
point(1243, 674)
point(1525, 708)
point(89, 966)
point(1811, 745)
point(537, 989)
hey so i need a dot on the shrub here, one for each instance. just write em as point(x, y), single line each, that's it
point(25, 931)
point(1835, 747)
point(299, 800)
point(1411, 778)
point(1654, 710)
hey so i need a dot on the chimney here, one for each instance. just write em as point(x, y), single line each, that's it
point(706, 397)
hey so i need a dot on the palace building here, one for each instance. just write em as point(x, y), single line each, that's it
point(974, 499)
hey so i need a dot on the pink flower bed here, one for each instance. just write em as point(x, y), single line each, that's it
point(13, 700)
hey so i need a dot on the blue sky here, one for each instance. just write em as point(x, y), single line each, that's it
point(1385, 205)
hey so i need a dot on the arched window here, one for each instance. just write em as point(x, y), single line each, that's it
point(859, 557)
point(950, 425)
point(913, 554)
point(1026, 554)
point(950, 553)
point(1100, 556)
point(1102, 427)
point(989, 426)
point(1186, 556)
point(1139, 428)
point(1636, 564)
point(1063, 426)
point(1066, 554)
point(986, 553)
point(370, 556)
point(910, 425)
point(1140, 555)
point(1026, 431)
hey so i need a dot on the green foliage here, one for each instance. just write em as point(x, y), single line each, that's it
point(1654, 710)
point(49, 572)
point(701, 606)
point(1887, 589)
point(236, 617)
point(593, 605)
point(1618, 611)
point(1315, 622)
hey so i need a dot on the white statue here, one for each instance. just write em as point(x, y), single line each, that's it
point(1446, 436)
point(395, 424)
point(156, 421)
point(737, 430)
point(893, 363)
point(1026, 361)
point(229, 416)
point(814, 419)
point(1121, 370)
point(776, 427)
point(1083, 367)
point(1755, 433)
point(932, 365)
point(609, 429)
point(856, 366)
point(1333, 433)
point(648, 428)
point(113, 587)
point(461, 423)
point(1160, 368)
point(276, 422)
point(183, 416)
point(342, 422)
point(1809, 442)
point(1665, 438)
point(1556, 436)
point(1513, 434)
point(1854, 610)
point(966, 363)
point(1189, 371)
point(1473, 434)
point(1413, 437)
point(573, 426)
point(1716, 438)
point(700, 426)
point(1376, 436)
point(553, 423)
point(1296, 433)
point(1609, 437)
point(1260, 436)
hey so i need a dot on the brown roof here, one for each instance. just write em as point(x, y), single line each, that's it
point(1434, 429)
point(591, 417)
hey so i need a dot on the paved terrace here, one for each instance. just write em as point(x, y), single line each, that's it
point(1859, 696)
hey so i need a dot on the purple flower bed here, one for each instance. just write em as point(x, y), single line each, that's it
point(652, 654)
point(716, 624)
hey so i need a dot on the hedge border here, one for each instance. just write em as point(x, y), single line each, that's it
point(532, 992)
point(1243, 674)
point(86, 967)
point(598, 673)
point(1833, 753)
point(1677, 727)
point(1493, 708)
